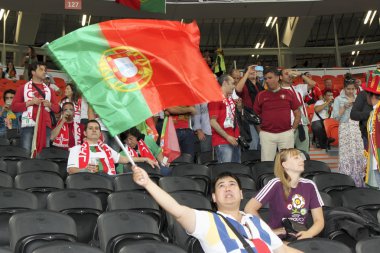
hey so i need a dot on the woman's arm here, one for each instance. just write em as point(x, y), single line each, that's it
point(253, 207)
point(319, 223)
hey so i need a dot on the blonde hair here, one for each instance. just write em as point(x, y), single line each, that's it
point(279, 170)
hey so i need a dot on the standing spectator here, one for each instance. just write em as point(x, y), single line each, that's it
point(182, 123)
point(358, 86)
point(219, 64)
point(202, 127)
point(329, 86)
point(314, 94)
point(225, 130)
point(301, 135)
point(67, 133)
point(373, 161)
point(29, 97)
point(8, 119)
point(322, 111)
point(351, 158)
point(360, 112)
point(10, 72)
point(29, 58)
point(247, 88)
point(274, 106)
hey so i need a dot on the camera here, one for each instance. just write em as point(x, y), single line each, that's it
point(252, 118)
point(243, 143)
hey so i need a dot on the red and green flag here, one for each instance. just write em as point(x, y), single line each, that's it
point(130, 69)
point(145, 5)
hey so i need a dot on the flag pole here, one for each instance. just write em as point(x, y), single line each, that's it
point(125, 150)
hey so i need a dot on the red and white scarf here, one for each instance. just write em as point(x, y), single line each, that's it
point(143, 150)
point(230, 113)
point(84, 157)
point(62, 139)
point(76, 118)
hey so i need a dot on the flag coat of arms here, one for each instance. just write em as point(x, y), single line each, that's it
point(130, 69)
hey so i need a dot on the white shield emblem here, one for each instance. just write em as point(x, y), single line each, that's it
point(126, 67)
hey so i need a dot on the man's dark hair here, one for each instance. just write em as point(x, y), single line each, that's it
point(133, 131)
point(327, 91)
point(34, 66)
point(223, 175)
point(10, 91)
point(67, 103)
point(223, 78)
point(271, 70)
point(91, 121)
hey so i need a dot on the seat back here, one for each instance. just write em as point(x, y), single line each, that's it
point(150, 246)
point(175, 184)
point(333, 181)
point(183, 158)
point(313, 167)
point(368, 245)
point(66, 247)
point(13, 201)
point(234, 168)
point(6, 180)
point(153, 173)
point(37, 165)
point(332, 130)
point(247, 183)
point(320, 245)
point(4, 142)
point(31, 229)
point(11, 155)
point(3, 167)
point(116, 228)
point(362, 199)
point(207, 158)
point(250, 156)
point(84, 207)
point(57, 155)
point(260, 169)
point(198, 172)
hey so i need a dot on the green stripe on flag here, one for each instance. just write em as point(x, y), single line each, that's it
point(79, 54)
point(153, 5)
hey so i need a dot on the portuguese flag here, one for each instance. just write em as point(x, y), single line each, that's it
point(130, 69)
point(145, 5)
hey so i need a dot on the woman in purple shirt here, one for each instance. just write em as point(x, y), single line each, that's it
point(290, 196)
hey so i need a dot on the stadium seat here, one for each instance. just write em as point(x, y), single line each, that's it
point(207, 158)
point(124, 182)
point(4, 142)
point(136, 201)
point(258, 171)
point(117, 228)
point(84, 207)
point(5, 250)
point(327, 200)
point(368, 245)
point(99, 184)
point(31, 165)
point(362, 199)
point(56, 155)
point(6, 181)
point(332, 130)
point(250, 156)
point(313, 167)
point(3, 167)
point(320, 245)
point(153, 173)
point(11, 155)
point(66, 247)
point(32, 229)
point(183, 158)
point(334, 184)
point(247, 183)
point(40, 183)
point(149, 246)
point(234, 168)
point(198, 172)
point(13, 201)
point(176, 184)
point(266, 178)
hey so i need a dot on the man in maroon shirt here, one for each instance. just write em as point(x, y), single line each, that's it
point(274, 106)
point(30, 98)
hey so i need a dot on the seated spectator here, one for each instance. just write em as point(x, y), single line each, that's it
point(8, 119)
point(329, 86)
point(290, 196)
point(10, 72)
point(322, 111)
point(213, 229)
point(140, 145)
point(67, 132)
point(95, 156)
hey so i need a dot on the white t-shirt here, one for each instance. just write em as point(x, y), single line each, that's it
point(215, 235)
point(324, 113)
point(73, 160)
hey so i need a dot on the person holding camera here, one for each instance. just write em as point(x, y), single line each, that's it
point(225, 130)
point(64, 134)
point(247, 88)
point(8, 119)
point(322, 111)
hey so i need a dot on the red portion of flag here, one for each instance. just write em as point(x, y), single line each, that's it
point(134, 4)
point(169, 140)
point(179, 73)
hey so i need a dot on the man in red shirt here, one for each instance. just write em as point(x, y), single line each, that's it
point(30, 98)
point(329, 86)
point(225, 130)
point(274, 106)
point(64, 134)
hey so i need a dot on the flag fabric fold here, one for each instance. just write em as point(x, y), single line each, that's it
point(169, 141)
point(131, 69)
point(145, 5)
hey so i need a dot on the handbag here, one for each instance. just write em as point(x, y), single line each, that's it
point(292, 228)
point(246, 246)
point(52, 116)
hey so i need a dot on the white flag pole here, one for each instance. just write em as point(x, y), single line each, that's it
point(125, 150)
